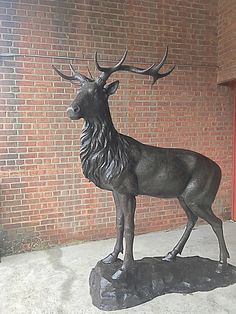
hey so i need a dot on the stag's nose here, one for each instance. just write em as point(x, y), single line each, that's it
point(73, 113)
point(70, 112)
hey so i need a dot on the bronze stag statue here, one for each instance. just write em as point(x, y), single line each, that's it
point(121, 164)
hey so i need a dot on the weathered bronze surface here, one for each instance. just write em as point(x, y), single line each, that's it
point(128, 168)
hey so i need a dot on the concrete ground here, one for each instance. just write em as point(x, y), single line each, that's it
point(55, 281)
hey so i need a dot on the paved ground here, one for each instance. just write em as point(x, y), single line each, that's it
point(55, 281)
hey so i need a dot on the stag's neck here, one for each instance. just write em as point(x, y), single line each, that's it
point(103, 151)
point(98, 133)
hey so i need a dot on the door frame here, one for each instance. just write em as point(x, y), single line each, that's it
point(234, 158)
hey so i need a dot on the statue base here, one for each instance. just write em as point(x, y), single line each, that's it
point(152, 277)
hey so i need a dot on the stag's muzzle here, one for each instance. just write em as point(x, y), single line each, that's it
point(74, 113)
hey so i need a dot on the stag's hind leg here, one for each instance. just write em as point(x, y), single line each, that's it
point(206, 213)
point(192, 219)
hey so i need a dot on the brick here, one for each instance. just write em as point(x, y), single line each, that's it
point(226, 41)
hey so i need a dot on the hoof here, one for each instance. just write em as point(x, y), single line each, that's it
point(169, 257)
point(221, 267)
point(109, 259)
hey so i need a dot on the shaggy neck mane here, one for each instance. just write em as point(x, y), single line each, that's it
point(104, 152)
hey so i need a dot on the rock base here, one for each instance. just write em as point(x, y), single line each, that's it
point(152, 277)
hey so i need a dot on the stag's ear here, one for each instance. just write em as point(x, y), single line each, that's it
point(111, 88)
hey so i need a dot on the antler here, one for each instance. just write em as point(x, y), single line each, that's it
point(75, 77)
point(151, 71)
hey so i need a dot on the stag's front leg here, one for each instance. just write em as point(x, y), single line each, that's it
point(129, 211)
point(112, 257)
point(129, 204)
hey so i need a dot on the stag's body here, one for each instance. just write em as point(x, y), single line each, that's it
point(128, 168)
point(147, 170)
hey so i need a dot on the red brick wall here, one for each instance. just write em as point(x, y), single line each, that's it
point(45, 199)
point(227, 41)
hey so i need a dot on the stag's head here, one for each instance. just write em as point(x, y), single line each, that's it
point(92, 97)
